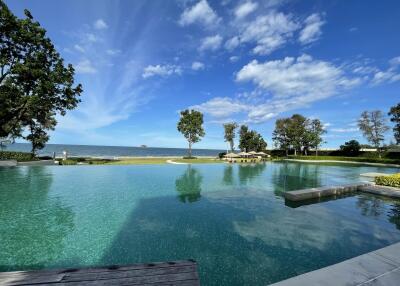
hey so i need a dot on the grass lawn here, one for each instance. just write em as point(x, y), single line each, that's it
point(139, 161)
point(198, 160)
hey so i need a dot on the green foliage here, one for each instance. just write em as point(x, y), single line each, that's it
point(221, 155)
point(229, 134)
point(189, 157)
point(353, 159)
point(373, 126)
point(191, 126)
point(395, 118)
point(19, 156)
point(35, 85)
point(391, 181)
point(351, 148)
point(250, 140)
point(68, 162)
point(299, 133)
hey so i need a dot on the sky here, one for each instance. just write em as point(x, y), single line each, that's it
point(141, 62)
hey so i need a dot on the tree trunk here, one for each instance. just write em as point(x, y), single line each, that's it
point(231, 143)
point(316, 151)
point(190, 149)
point(295, 151)
point(287, 152)
point(305, 151)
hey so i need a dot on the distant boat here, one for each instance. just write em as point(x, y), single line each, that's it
point(143, 146)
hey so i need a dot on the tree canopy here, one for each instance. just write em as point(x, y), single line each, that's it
point(35, 85)
point(351, 148)
point(251, 140)
point(191, 126)
point(395, 118)
point(229, 135)
point(298, 133)
point(373, 126)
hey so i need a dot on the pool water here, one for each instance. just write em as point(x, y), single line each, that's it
point(232, 219)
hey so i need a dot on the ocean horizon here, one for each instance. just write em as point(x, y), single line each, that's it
point(110, 151)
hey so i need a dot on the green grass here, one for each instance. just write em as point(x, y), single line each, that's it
point(353, 159)
point(198, 160)
point(138, 161)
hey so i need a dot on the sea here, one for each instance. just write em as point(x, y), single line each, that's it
point(110, 151)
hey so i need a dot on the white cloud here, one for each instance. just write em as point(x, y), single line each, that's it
point(281, 85)
point(85, 67)
point(344, 130)
point(392, 74)
point(234, 59)
point(211, 43)
point(197, 66)
point(91, 38)
point(221, 107)
point(232, 43)
point(394, 62)
point(312, 30)
point(201, 13)
point(161, 70)
point(268, 32)
point(100, 24)
point(79, 48)
point(245, 9)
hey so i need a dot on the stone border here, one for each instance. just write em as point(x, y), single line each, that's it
point(315, 193)
point(379, 267)
point(8, 163)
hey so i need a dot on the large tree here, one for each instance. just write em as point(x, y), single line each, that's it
point(351, 148)
point(35, 85)
point(251, 140)
point(373, 126)
point(229, 135)
point(297, 131)
point(191, 126)
point(314, 132)
point(395, 117)
point(280, 135)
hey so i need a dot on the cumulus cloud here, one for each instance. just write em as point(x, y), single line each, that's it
point(201, 13)
point(268, 32)
point(221, 107)
point(79, 48)
point(312, 29)
point(161, 70)
point(245, 9)
point(344, 130)
point(112, 52)
point(100, 24)
point(234, 59)
point(281, 85)
point(85, 67)
point(197, 66)
point(211, 43)
point(232, 43)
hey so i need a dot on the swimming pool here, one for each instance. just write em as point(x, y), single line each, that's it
point(232, 219)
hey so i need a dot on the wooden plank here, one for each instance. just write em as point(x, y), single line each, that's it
point(162, 273)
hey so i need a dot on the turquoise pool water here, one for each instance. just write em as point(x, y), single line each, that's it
point(232, 219)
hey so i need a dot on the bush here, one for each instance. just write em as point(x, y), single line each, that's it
point(68, 162)
point(391, 181)
point(19, 156)
point(189, 157)
point(221, 155)
point(350, 148)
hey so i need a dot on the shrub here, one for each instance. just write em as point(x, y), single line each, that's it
point(68, 162)
point(189, 157)
point(391, 181)
point(19, 156)
point(221, 155)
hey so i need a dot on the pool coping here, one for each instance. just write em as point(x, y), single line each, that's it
point(315, 193)
point(379, 267)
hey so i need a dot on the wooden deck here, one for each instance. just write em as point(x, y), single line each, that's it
point(182, 273)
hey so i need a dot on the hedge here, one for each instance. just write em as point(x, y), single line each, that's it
point(391, 181)
point(19, 156)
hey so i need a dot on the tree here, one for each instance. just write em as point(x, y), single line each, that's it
point(229, 136)
point(250, 140)
point(280, 135)
point(297, 131)
point(191, 126)
point(351, 148)
point(395, 117)
point(373, 126)
point(314, 133)
point(35, 85)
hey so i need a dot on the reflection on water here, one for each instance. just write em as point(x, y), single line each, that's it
point(188, 185)
point(32, 224)
point(230, 218)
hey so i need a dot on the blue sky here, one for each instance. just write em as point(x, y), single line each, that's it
point(141, 62)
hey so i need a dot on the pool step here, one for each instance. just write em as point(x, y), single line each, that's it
point(174, 273)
